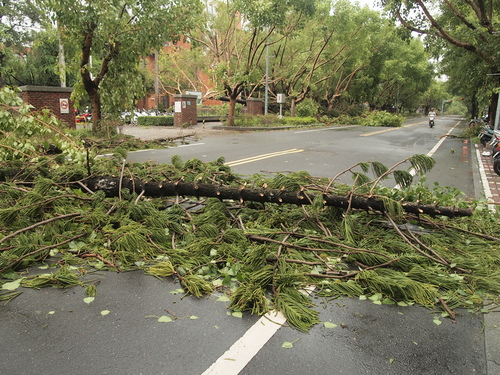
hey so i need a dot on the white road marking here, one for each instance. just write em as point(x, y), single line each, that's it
point(191, 144)
point(431, 152)
point(323, 129)
point(243, 350)
point(389, 130)
point(484, 181)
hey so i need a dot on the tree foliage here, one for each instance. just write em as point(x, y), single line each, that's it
point(234, 38)
point(16, 21)
point(112, 36)
point(465, 33)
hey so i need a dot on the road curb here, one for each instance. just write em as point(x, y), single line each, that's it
point(492, 319)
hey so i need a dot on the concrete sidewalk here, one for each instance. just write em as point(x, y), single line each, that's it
point(491, 187)
point(162, 132)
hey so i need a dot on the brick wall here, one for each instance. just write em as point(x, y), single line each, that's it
point(50, 97)
point(255, 106)
point(185, 111)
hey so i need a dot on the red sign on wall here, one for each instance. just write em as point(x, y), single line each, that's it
point(64, 105)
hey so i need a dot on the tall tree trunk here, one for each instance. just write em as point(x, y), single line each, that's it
point(95, 103)
point(232, 111)
point(62, 61)
point(493, 108)
point(293, 107)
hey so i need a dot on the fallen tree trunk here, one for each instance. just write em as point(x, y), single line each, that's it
point(113, 185)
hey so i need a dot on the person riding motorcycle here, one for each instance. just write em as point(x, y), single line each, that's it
point(432, 115)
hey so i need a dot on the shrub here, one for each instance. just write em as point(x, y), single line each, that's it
point(272, 120)
point(155, 120)
point(307, 108)
point(383, 118)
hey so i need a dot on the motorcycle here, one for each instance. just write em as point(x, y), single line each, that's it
point(495, 153)
point(431, 121)
point(485, 135)
point(496, 165)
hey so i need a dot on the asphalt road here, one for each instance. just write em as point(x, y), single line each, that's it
point(55, 331)
point(325, 152)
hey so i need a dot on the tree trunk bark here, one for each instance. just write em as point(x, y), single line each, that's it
point(112, 186)
point(62, 59)
point(232, 111)
point(95, 103)
point(293, 107)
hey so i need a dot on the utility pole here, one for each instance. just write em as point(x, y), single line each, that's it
point(157, 90)
point(266, 95)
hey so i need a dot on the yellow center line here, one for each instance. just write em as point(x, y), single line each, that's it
point(262, 157)
point(390, 129)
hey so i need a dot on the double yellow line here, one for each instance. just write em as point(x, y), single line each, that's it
point(262, 157)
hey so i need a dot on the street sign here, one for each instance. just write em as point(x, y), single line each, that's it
point(64, 105)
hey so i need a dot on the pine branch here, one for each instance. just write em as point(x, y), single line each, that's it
point(113, 185)
point(45, 248)
point(38, 224)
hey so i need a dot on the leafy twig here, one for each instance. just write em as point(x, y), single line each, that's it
point(42, 249)
point(67, 216)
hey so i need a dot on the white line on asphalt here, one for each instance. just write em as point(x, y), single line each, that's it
point(432, 151)
point(389, 130)
point(191, 144)
point(484, 180)
point(323, 129)
point(243, 350)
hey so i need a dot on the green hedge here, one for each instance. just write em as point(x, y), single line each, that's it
point(383, 118)
point(155, 120)
point(272, 121)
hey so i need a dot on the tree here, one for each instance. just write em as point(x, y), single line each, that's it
point(36, 64)
point(16, 21)
point(302, 61)
point(112, 36)
point(467, 77)
point(360, 35)
point(177, 77)
point(469, 26)
point(434, 96)
point(406, 74)
point(235, 35)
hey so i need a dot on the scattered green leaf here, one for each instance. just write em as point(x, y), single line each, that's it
point(12, 285)
point(164, 319)
point(177, 291)
point(89, 299)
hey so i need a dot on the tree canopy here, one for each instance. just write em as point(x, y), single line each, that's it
point(112, 36)
point(336, 55)
point(465, 34)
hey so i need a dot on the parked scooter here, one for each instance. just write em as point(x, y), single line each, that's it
point(496, 165)
point(495, 152)
point(485, 135)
